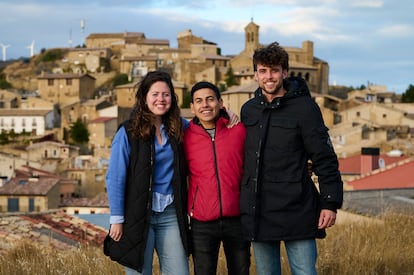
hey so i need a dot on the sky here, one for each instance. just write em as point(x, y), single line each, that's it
point(365, 42)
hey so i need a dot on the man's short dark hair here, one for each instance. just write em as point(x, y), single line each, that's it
point(270, 56)
point(202, 85)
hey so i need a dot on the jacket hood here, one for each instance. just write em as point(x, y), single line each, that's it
point(295, 86)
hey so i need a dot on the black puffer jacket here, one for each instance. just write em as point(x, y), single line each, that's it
point(129, 251)
point(279, 201)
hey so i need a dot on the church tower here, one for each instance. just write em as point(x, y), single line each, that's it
point(251, 40)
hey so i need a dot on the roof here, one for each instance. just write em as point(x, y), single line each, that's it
point(215, 57)
point(50, 143)
point(352, 165)
point(102, 119)
point(24, 112)
point(51, 228)
point(398, 175)
point(29, 171)
point(152, 41)
point(98, 201)
point(39, 186)
point(139, 58)
point(63, 76)
point(119, 35)
point(247, 88)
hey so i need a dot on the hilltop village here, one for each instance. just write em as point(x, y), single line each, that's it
point(42, 166)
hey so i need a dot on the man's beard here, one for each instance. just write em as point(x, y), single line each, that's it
point(274, 91)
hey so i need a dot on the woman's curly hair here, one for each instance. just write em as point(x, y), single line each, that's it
point(142, 119)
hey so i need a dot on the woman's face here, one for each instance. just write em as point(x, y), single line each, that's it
point(159, 98)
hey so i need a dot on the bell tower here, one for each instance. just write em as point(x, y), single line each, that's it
point(251, 40)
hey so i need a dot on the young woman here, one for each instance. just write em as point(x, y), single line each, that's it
point(146, 183)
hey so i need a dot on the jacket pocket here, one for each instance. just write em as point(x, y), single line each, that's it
point(250, 122)
point(284, 134)
point(193, 202)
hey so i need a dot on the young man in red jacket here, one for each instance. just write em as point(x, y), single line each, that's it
point(214, 156)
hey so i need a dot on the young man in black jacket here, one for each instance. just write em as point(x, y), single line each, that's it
point(279, 201)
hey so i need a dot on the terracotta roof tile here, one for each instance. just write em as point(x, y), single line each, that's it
point(352, 165)
point(397, 175)
point(49, 228)
point(28, 186)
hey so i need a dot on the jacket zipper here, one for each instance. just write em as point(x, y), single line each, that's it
point(193, 203)
point(217, 176)
point(149, 203)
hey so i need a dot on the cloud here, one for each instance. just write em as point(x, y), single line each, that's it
point(396, 30)
point(367, 4)
point(360, 32)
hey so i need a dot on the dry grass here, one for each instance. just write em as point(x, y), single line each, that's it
point(359, 247)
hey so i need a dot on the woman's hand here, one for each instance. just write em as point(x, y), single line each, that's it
point(115, 231)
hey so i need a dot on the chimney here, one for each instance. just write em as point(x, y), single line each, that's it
point(369, 159)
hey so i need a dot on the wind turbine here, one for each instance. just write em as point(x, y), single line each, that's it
point(31, 47)
point(4, 47)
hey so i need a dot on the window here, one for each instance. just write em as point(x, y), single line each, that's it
point(12, 205)
point(69, 82)
point(358, 114)
point(31, 204)
point(384, 115)
point(34, 123)
point(50, 82)
point(23, 122)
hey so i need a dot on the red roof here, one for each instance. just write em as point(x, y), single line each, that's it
point(398, 175)
point(102, 119)
point(352, 165)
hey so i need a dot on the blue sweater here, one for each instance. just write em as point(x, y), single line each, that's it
point(117, 173)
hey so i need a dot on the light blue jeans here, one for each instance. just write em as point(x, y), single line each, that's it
point(164, 237)
point(301, 254)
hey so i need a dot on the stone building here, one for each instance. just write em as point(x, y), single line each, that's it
point(62, 88)
point(302, 62)
point(89, 57)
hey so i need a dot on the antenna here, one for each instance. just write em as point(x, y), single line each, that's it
point(82, 26)
point(70, 38)
point(4, 47)
point(31, 47)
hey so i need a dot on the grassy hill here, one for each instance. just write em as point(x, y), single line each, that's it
point(353, 246)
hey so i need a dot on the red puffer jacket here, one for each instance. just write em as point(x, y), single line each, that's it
point(215, 170)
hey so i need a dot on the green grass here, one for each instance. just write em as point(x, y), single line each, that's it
point(382, 247)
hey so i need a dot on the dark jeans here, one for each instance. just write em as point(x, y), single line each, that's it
point(206, 238)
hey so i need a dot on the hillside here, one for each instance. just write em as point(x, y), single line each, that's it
point(22, 74)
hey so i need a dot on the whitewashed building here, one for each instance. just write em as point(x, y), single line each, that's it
point(29, 121)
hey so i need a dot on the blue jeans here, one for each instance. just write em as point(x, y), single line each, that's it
point(164, 237)
point(302, 256)
point(207, 237)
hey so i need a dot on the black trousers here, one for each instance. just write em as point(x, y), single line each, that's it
point(207, 237)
